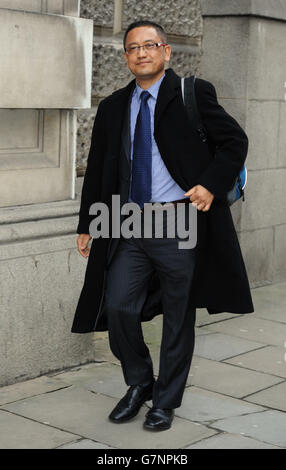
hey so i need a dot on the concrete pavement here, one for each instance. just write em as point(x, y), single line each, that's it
point(234, 398)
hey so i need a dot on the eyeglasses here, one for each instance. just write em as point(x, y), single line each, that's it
point(150, 46)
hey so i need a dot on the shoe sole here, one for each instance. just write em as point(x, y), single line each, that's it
point(122, 420)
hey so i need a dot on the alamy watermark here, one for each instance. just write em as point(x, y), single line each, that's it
point(159, 221)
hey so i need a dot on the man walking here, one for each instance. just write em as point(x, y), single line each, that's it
point(145, 149)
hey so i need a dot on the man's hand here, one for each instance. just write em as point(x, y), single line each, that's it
point(200, 197)
point(82, 244)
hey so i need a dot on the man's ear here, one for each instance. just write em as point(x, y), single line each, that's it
point(125, 57)
point(168, 50)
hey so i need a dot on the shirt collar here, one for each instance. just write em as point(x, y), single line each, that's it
point(153, 89)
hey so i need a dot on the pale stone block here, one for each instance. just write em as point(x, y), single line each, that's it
point(55, 6)
point(235, 107)
point(280, 252)
point(266, 60)
point(32, 212)
point(282, 134)
point(258, 250)
point(265, 195)
point(255, 71)
point(267, 8)
point(21, 130)
point(42, 142)
point(60, 7)
point(262, 126)
point(32, 229)
point(224, 60)
point(41, 293)
point(27, 5)
point(58, 67)
point(72, 8)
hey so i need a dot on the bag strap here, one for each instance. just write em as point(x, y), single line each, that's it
point(189, 98)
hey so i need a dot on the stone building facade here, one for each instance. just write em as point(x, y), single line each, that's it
point(56, 65)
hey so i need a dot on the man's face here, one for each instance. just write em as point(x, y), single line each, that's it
point(146, 63)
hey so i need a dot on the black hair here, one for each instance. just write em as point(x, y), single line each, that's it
point(137, 24)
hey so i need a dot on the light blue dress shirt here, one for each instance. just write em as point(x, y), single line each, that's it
point(164, 188)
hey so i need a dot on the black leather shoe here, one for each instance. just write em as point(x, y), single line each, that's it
point(159, 419)
point(131, 403)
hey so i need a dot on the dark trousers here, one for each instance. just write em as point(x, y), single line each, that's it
point(130, 269)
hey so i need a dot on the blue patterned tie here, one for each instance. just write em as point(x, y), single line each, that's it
point(142, 155)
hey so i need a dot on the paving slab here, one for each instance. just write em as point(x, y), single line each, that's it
point(202, 331)
point(105, 378)
point(205, 406)
point(228, 379)
point(220, 346)
point(270, 308)
point(17, 432)
point(230, 441)
point(266, 426)
point(254, 329)
point(30, 388)
point(85, 413)
point(85, 444)
point(152, 331)
point(92, 375)
point(270, 359)
point(273, 397)
point(237, 374)
point(204, 318)
point(272, 291)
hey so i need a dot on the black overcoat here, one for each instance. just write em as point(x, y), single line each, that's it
point(220, 280)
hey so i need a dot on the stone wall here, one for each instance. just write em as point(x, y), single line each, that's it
point(244, 56)
point(45, 58)
point(183, 24)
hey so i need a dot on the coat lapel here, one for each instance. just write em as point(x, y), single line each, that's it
point(125, 136)
point(169, 89)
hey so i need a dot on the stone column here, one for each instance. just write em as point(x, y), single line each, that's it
point(244, 47)
point(45, 56)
